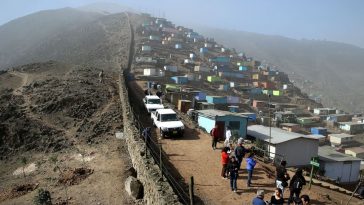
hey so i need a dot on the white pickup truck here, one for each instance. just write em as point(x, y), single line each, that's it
point(152, 103)
point(167, 122)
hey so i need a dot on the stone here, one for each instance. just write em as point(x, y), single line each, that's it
point(134, 187)
point(130, 172)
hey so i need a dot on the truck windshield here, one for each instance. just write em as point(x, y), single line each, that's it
point(154, 101)
point(169, 117)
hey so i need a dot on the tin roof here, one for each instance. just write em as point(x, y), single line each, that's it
point(277, 135)
point(327, 153)
point(341, 135)
point(213, 113)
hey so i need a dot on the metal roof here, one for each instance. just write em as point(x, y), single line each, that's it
point(278, 135)
point(213, 113)
point(327, 153)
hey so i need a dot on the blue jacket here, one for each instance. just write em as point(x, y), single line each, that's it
point(250, 163)
point(258, 201)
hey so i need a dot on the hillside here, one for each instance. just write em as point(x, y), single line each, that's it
point(67, 35)
point(320, 68)
point(54, 111)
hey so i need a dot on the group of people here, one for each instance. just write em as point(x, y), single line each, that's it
point(231, 160)
point(277, 199)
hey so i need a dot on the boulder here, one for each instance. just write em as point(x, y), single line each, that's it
point(134, 187)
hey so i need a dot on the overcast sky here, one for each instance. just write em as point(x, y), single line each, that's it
point(333, 20)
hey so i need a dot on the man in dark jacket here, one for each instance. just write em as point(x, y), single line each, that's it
point(233, 170)
point(282, 176)
point(215, 136)
point(239, 153)
point(295, 185)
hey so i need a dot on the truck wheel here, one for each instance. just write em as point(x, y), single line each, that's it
point(161, 133)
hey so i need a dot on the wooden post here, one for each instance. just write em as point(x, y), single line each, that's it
point(309, 187)
point(160, 160)
point(352, 194)
point(191, 185)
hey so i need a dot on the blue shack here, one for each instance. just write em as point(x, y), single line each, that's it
point(319, 131)
point(216, 99)
point(180, 79)
point(220, 59)
point(200, 96)
point(243, 68)
point(207, 119)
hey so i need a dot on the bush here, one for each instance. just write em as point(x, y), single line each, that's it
point(43, 197)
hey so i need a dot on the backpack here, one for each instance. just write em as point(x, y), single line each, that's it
point(297, 184)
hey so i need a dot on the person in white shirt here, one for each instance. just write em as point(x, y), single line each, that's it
point(227, 137)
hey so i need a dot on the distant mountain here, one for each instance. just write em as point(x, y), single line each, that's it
point(107, 8)
point(66, 35)
point(334, 71)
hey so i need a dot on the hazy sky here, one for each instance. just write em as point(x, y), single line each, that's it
point(334, 20)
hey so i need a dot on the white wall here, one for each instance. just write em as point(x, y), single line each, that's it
point(347, 172)
point(298, 152)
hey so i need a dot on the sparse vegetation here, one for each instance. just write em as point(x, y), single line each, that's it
point(43, 197)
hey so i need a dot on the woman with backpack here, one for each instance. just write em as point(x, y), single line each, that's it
point(295, 185)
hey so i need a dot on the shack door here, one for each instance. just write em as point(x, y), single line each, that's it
point(221, 128)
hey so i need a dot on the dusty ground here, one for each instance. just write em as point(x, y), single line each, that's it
point(192, 155)
point(54, 114)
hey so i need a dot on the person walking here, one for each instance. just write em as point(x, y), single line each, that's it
point(227, 136)
point(215, 136)
point(101, 76)
point(277, 198)
point(282, 176)
point(295, 185)
point(250, 164)
point(233, 172)
point(147, 134)
point(239, 153)
point(259, 199)
point(224, 162)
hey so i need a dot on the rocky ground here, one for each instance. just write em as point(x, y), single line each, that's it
point(57, 132)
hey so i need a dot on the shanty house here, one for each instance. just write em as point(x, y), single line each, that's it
point(150, 72)
point(324, 111)
point(216, 99)
point(339, 139)
point(290, 127)
point(338, 166)
point(201, 69)
point(179, 79)
point(355, 152)
point(171, 68)
point(207, 119)
point(352, 127)
point(213, 79)
point(296, 149)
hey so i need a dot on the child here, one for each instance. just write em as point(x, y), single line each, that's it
point(233, 169)
point(224, 162)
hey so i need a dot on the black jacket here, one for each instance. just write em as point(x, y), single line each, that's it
point(295, 178)
point(281, 172)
